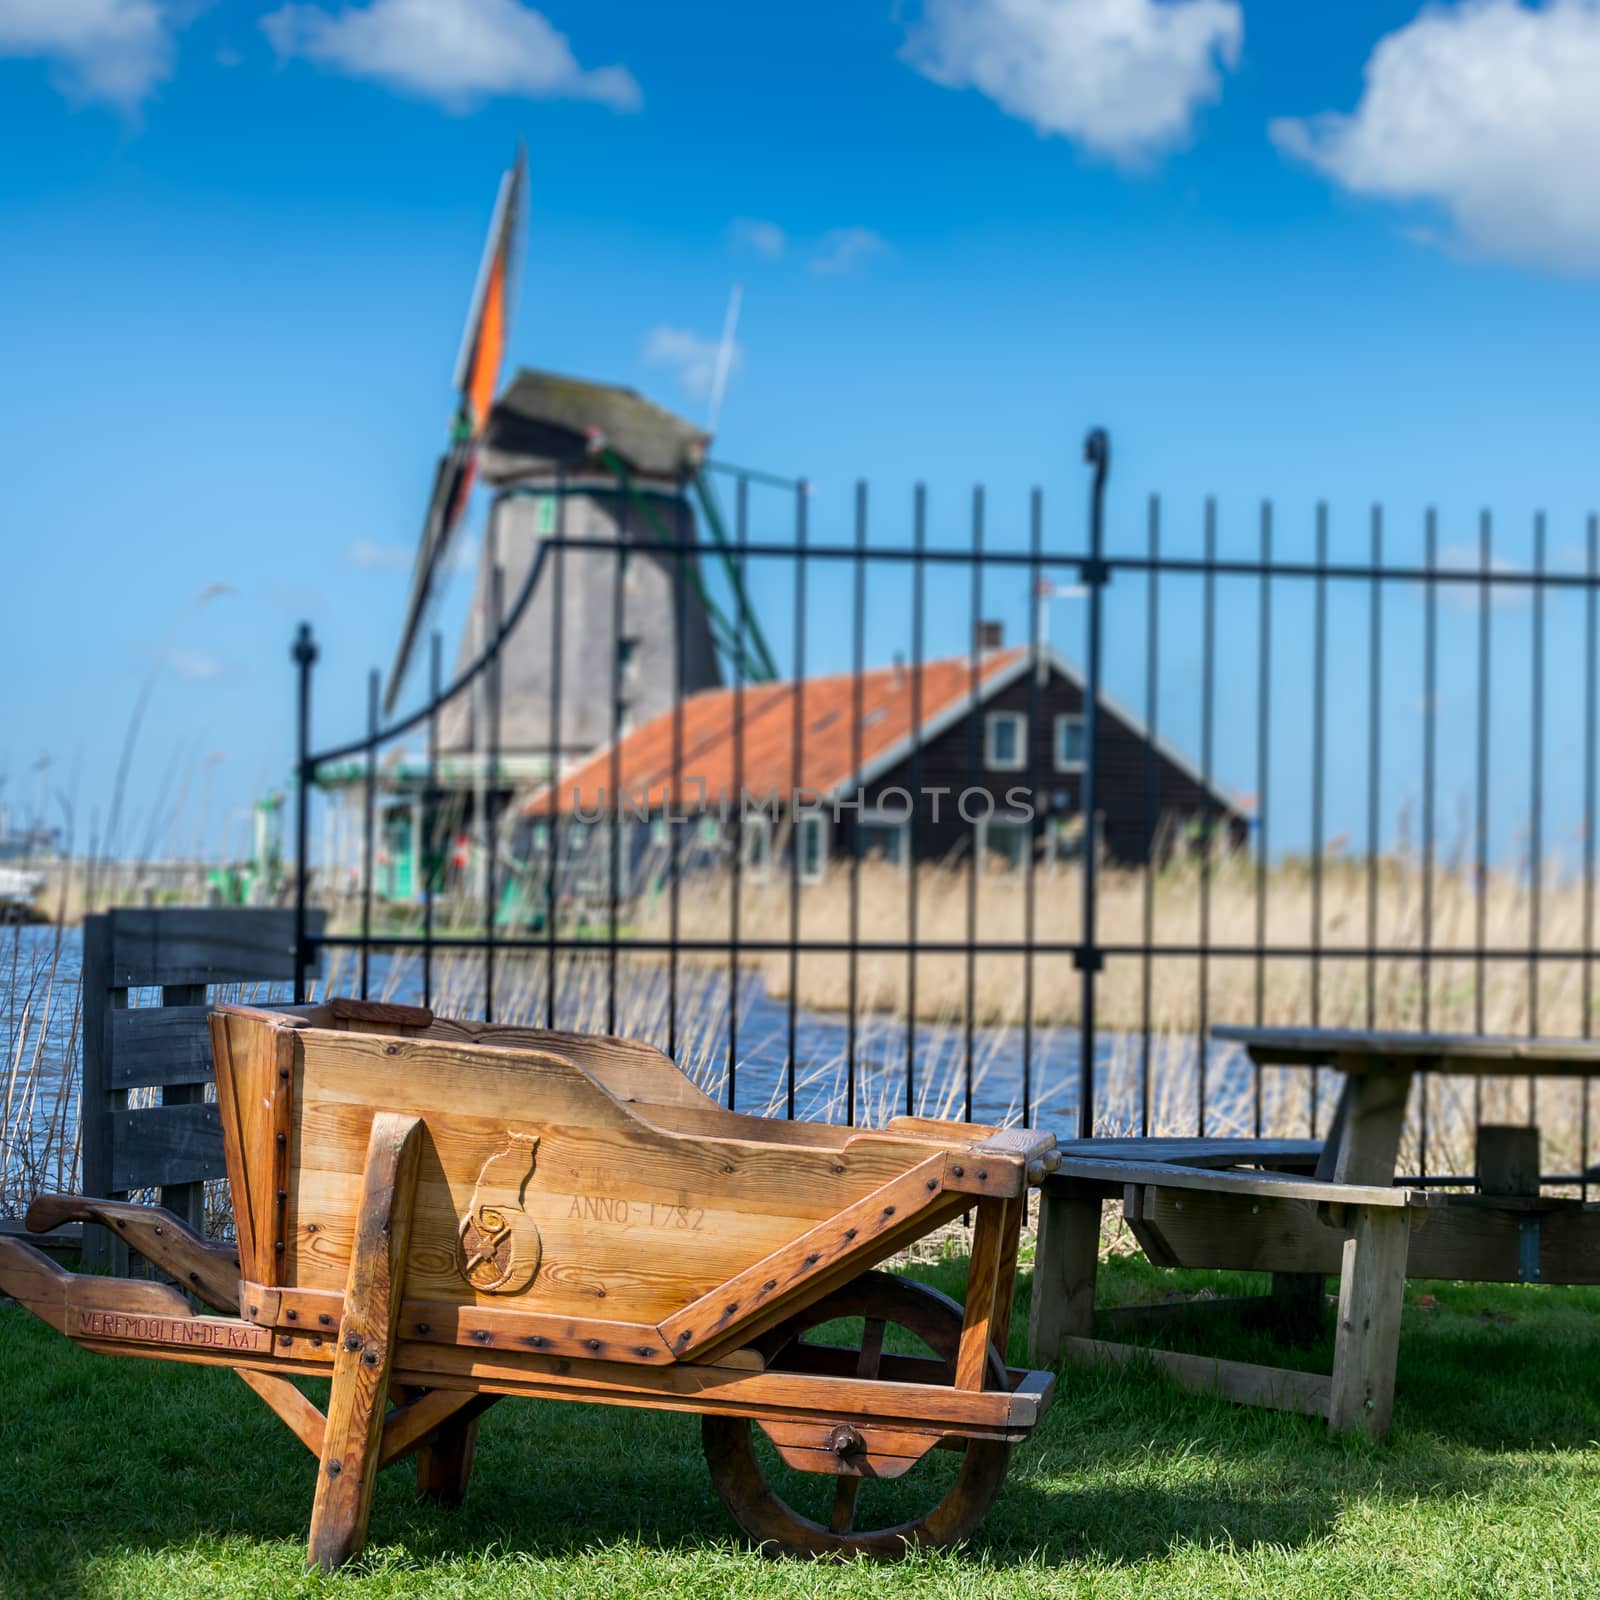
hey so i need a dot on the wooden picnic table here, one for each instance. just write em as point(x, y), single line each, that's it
point(1257, 1205)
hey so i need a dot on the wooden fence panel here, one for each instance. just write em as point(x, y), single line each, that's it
point(176, 1144)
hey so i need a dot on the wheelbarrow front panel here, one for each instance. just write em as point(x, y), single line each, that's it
point(539, 1190)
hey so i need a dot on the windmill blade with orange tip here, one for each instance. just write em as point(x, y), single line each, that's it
point(477, 377)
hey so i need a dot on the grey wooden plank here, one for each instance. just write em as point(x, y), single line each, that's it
point(165, 1145)
point(1274, 1185)
point(1064, 1267)
point(1200, 1152)
point(160, 1045)
point(1508, 1160)
point(186, 1200)
point(202, 944)
point(1356, 1050)
point(1372, 1286)
point(1243, 1382)
point(98, 1101)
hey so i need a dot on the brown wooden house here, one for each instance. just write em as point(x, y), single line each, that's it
point(926, 764)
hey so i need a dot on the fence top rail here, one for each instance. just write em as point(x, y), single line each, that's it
point(155, 946)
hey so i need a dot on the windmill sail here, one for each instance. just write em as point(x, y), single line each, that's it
point(483, 347)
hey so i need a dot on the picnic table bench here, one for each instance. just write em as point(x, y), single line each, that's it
point(1304, 1210)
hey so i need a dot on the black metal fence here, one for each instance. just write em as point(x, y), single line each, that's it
point(1418, 851)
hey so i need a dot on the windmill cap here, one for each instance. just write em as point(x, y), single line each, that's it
point(545, 422)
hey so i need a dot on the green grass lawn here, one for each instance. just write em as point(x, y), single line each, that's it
point(144, 1479)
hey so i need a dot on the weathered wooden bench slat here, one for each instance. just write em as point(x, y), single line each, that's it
point(1267, 1185)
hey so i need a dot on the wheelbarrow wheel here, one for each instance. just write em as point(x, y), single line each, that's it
point(956, 1483)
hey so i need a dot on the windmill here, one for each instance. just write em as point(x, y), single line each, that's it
point(607, 637)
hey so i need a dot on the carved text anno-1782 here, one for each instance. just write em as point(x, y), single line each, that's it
point(638, 1213)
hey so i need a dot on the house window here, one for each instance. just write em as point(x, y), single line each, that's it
point(1003, 843)
point(756, 836)
point(1071, 747)
point(887, 835)
point(812, 836)
point(1005, 741)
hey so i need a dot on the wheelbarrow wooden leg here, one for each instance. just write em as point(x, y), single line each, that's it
point(444, 1460)
point(989, 1275)
point(367, 1332)
point(1372, 1286)
point(1065, 1262)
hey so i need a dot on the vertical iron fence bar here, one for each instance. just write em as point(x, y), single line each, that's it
point(1038, 666)
point(1592, 569)
point(1263, 789)
point(797, 749)
point(370, 828)
point(304, 656)
point(1374, 755)
point(1319, 744)
point(613, 822)
point(1430, 726)
point(1481, 819)
point(1152, 816)
point(919, 561)
point(974, 863)
point(1097, 452)
point(1536, 804)
point(858, 644)
point(688, 534)
point(858, 614)
point(491, 792)
point(1208, 695)
point(552, 903)
point(430, 814)
point(1037, 669)
point(741, 534)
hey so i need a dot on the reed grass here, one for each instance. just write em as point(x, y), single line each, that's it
point(1149, 1065)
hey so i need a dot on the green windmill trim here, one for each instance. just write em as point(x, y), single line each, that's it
point(750, 653)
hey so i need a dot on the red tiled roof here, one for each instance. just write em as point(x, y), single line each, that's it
point(643, 758)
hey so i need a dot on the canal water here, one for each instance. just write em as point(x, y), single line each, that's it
point(742, 1060)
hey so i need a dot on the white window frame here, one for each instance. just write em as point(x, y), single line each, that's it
point(1062, 720)
point(901, 826)
point(818, 821)
point(1022, 825)
point(992, 721)
point(755, 831)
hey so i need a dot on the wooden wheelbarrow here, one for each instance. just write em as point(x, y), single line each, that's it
point(435, 1214)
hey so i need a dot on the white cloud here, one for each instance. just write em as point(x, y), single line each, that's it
point(1467, 556)
point(765, 238)
point(1120, 77)
point(1487, 110)
point(455, 51)
point(193, 666)
point(116, 50)
point(690, 357)
point(370, 556)
point(845, 249)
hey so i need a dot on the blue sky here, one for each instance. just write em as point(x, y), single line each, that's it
point(1336, 251)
